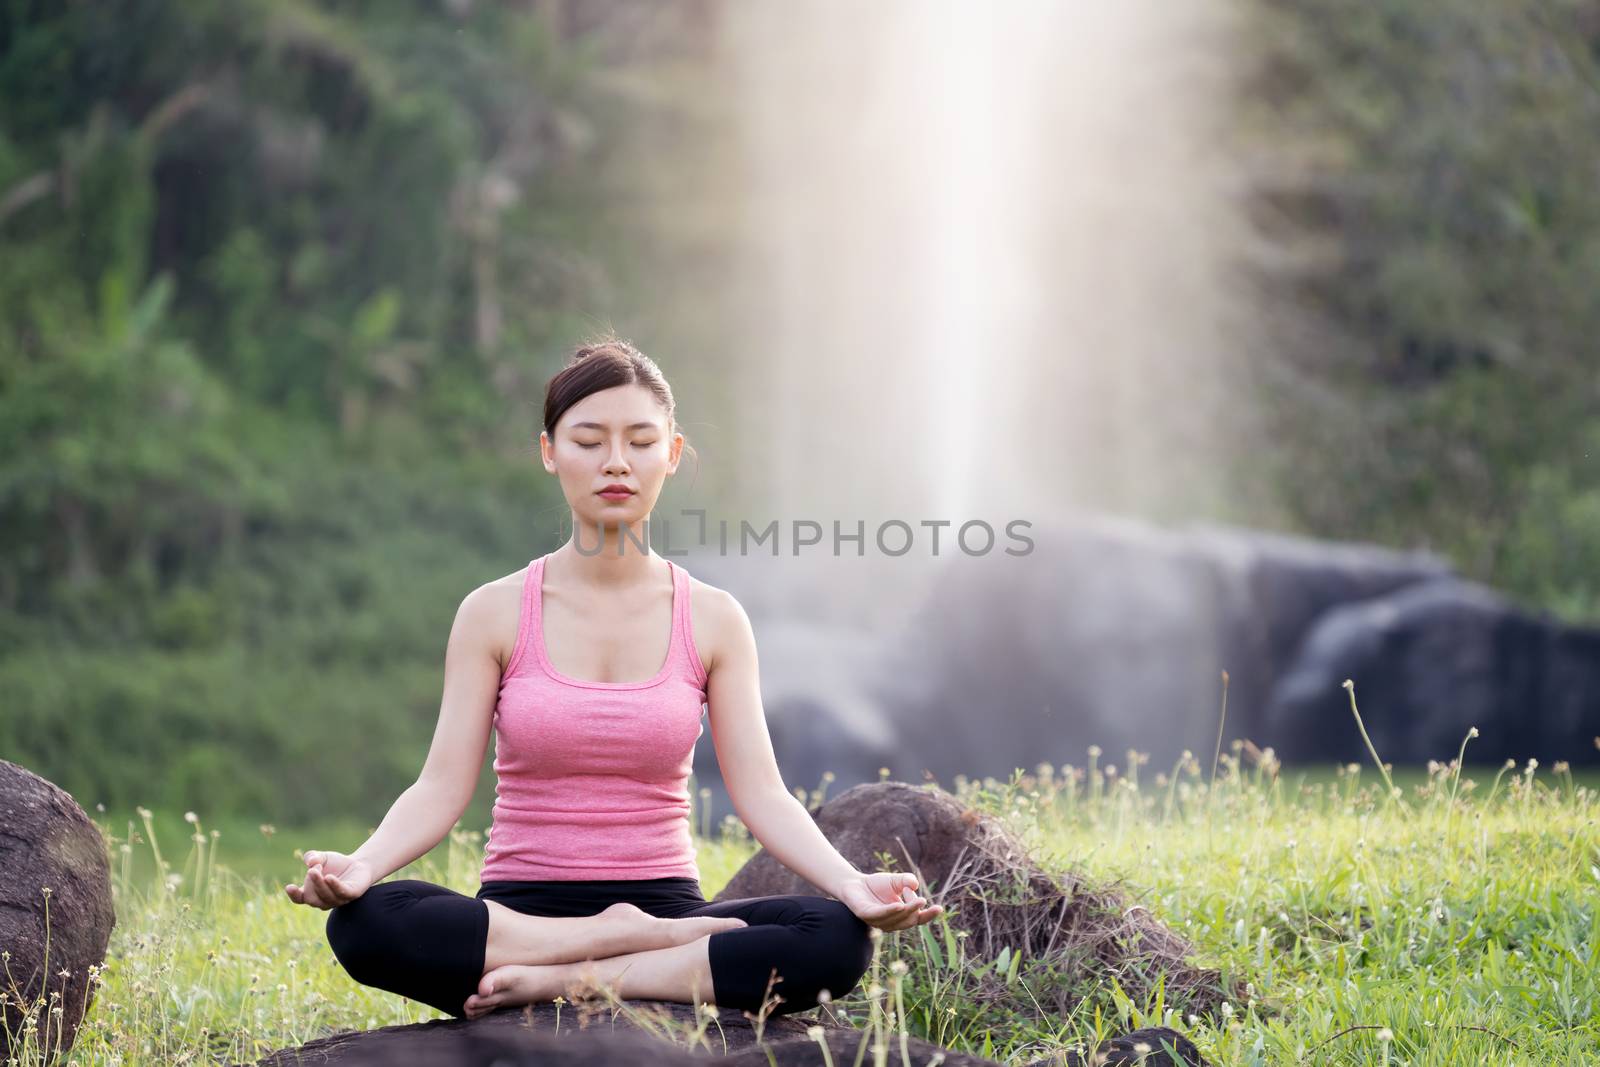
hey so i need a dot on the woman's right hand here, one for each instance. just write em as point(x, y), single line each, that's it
point(332, 878)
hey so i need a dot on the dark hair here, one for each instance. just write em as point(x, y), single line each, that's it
point(602, 363)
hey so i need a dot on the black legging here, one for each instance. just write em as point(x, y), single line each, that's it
point(428, 943)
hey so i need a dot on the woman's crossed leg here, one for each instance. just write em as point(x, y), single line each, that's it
point(466, 956)
point(792, 947)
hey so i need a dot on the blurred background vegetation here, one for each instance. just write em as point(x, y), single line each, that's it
point(1425, 185)
point(280, 284)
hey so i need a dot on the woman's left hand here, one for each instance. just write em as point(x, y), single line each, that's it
point(888, 900)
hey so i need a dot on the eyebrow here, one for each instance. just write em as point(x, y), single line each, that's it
point(601, 426)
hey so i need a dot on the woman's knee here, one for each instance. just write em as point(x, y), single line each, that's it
point(413, 938)
point(364, 932)
point(848, 946)
point(815, 944)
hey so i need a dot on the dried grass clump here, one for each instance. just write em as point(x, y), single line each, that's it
point(1088, 933)
point(983, 875)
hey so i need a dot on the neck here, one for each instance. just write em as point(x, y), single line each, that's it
point(602, 555)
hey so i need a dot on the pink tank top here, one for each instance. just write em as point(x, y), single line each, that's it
point(593, 777)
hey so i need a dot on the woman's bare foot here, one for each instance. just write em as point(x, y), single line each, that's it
point(529, 940)
point(515, 984)
point(630, 929)
point(693, 927)
point(681, 973)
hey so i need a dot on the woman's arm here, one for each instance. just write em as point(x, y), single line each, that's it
point(775, 816)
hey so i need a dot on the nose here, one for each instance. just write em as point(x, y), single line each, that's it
point(616, 461)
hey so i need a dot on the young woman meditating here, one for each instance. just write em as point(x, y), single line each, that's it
point(594, 668)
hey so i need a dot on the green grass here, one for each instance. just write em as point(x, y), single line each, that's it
point(1372, 929)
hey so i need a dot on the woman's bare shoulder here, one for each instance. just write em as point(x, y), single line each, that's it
point(496, 607)
point(717, 619)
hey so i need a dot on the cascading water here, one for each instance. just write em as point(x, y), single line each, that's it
point(987, 247)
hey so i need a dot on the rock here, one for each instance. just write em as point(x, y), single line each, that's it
point(591, 1038)
point(1137, 1048)
point(1430, 662)
point(1116, 633)
point(995, 892)
point(1147, 1048)
point(530, 1038)
point(53, 864)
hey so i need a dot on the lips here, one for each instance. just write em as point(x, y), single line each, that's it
point(616, 490)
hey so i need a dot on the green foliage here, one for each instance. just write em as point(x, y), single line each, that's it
point(1434, 379)
point(301, 676)
point(259, 211)
point(258, 433)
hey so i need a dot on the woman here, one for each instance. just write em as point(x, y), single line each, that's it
point(589, 872)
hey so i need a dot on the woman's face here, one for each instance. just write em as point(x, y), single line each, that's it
point(615, 436)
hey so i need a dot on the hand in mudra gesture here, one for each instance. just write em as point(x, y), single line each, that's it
point(332, 878)
point(887, 900)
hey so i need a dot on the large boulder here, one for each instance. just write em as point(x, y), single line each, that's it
point(594, 1037)
point(56, 911)
point(1115, 633)
point(531, 1038)
point(1431, 661)
point(970, 863)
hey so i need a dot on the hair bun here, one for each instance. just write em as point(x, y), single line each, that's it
point(604, 346)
